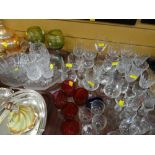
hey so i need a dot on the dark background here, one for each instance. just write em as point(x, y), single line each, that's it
point(125, 21)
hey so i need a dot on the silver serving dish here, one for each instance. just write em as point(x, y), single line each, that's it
point(5, 93)
point(28, 97)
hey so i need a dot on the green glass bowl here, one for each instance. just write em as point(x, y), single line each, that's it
point(55, 39)
point(35, 34)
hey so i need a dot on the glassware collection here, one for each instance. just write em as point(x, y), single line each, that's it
point(95, 94)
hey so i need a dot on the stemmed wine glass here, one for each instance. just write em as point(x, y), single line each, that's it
point(99, 122)
point(146, 79)
point(113, 89)
point(97, 107)
point(85, 117)
point(90, 81)
point(89, 57)
point(101, 45)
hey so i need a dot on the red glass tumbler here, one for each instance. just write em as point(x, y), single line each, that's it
point(68, 87)
point(80, 96)
point(60, 99)
point(70, 127)
point(70, 110)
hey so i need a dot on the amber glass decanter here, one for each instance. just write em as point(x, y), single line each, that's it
point(9, 41)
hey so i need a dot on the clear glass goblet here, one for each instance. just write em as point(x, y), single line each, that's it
point(137, 89)
point(76, 62)
point(133, 73)
point(146, 79)
point(89, 57)
point(90, 81)
point(99, 122)
point(105, 78)
point(101, 45)
point(87, 129)
point(113, 89)
point(85, 115)
point(97, 107)
point(124, 126)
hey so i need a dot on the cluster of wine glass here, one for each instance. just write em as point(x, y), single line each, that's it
point(128, 83)
point(35, 69)
point(124, 77)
